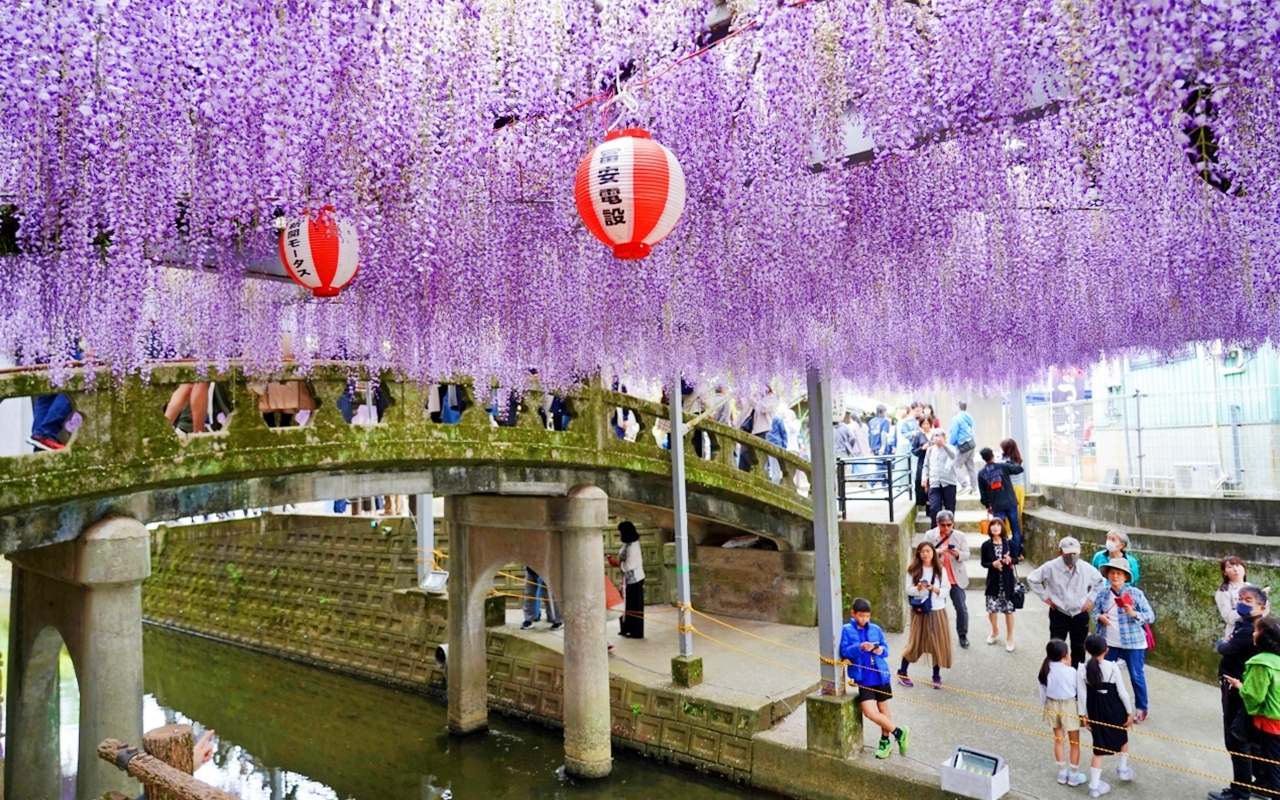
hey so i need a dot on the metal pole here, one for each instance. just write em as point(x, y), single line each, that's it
point(1018, 432)
point(888, 471)
point(426, 524)
point(681, 513)
point(1128, 449)
point(826, 539)
point(1137, 413)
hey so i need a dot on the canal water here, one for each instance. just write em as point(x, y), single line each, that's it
point(286, 731)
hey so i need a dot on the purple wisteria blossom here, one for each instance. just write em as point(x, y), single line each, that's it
point(1052, 178)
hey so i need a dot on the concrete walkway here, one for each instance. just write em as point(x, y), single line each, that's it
point(941, 720)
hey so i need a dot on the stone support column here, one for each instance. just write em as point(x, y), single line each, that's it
point(466, 670)
point(587, 752)
point(88, 594)
point(32, 702)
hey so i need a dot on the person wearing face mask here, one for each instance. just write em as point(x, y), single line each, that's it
point(1068, 586)
point(1236, 649)
point(1234, 577)
point(1121, 613)
point(1117, 547)
point(1260, 693)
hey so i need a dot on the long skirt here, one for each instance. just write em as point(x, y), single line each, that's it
point(930, 635)
point(633, 617)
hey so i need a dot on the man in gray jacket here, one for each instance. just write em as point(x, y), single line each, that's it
point(1067, 584)
point(939, 475)
point(953, 550)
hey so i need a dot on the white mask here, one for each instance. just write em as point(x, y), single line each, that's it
point(1112, 545)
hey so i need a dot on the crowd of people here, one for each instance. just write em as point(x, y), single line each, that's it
point(1099, 632)
point(1099, 626)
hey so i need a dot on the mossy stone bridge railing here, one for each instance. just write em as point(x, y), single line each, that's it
point(125, 448)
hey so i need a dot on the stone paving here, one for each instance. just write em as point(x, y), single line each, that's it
point(1180, 708)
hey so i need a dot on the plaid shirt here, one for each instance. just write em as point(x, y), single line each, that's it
point(1132, 636)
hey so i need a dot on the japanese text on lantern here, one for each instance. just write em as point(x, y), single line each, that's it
point(293, 240)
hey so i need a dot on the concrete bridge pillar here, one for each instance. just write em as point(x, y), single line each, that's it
point(562, 539)
point(587, 749)
point(88, 594)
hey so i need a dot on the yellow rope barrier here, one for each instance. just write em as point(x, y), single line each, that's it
point(968, 692)
point(1002, 700)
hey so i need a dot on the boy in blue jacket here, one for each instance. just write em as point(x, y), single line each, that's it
point(862, 644)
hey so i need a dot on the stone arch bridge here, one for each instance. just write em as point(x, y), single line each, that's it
point(73, 524)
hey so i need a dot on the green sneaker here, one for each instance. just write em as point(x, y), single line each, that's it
point(902, 740)
point(885, 746)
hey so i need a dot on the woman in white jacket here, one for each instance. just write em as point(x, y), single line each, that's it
point(927, 588)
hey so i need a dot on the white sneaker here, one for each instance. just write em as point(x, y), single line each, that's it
point(1125, 773)
point(1077, 779)
point(1008, 648)
point(1102, 788)
point(991, 640)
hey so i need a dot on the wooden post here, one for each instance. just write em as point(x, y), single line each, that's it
point(175, 746)
point(152, 771)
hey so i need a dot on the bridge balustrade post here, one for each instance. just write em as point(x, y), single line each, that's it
point(88, 594)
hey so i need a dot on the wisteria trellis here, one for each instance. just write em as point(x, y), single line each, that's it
point(979, 245)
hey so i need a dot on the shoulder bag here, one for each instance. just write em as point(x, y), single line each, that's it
point(1019, 595)
point(923, 605)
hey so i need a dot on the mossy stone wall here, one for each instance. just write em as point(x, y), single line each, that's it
point(873, 564)
point(1179, 575)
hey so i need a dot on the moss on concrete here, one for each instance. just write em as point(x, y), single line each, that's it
point(126, 447)
point(1179, 586)
point(873, 563)
point(834, 724)
point(686, 671)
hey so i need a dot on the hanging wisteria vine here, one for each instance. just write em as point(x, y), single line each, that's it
point(1049, 179)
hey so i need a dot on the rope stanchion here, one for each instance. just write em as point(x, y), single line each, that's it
point(1006, 701)
point(967, 692)
point(979, 717)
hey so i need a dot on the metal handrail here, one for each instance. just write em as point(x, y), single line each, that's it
point(882, 478)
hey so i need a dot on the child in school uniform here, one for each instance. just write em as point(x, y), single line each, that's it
point(1106, 710)
point(1058, 689)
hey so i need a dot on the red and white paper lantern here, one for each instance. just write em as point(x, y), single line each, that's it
point(630, 192)
point(321, 254)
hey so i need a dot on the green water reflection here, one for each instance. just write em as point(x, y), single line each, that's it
point(368, 742)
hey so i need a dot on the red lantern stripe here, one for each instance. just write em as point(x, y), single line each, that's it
point(673, 202)
point(324, 247)
point(295, 253)
point(649, 171)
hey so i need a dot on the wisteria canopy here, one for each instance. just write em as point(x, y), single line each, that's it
point(1049, 180)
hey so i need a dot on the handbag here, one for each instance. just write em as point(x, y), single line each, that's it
point(612, 597)
point(1241, 726)
point(1019, 595)
point(923, 605)
point(1151, 637)
point(966, 445)
point(984, 527)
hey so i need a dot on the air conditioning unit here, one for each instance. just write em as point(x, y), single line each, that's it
point(1200, 478)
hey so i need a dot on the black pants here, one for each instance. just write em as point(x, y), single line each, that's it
point(941, 497)
point(633, 617)
point(1061, 627)
point(1264, 774)
point(961, 605)
point(1241, 767)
